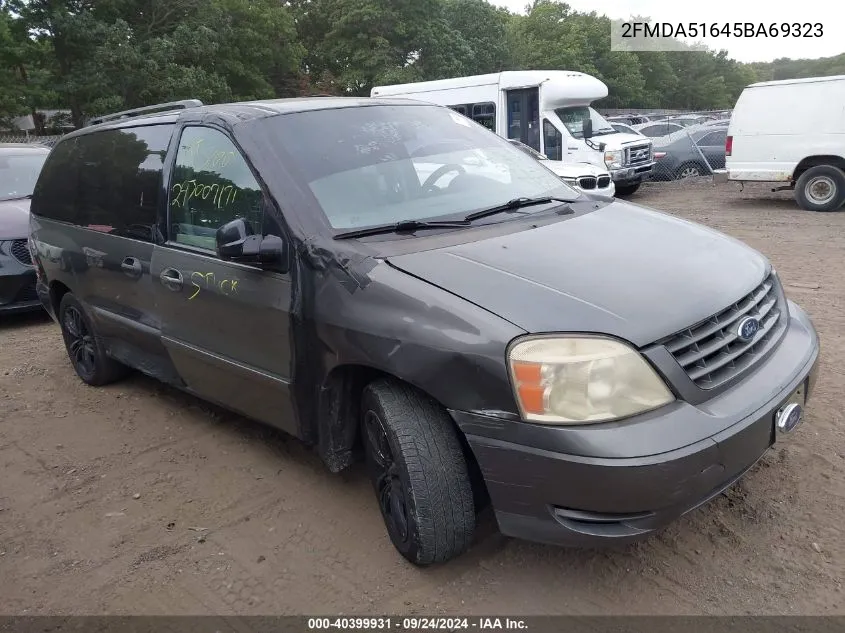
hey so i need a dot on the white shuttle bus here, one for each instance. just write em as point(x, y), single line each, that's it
point(547, 110)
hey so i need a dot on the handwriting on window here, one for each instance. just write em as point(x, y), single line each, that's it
point(217, 160)
point(187, 190)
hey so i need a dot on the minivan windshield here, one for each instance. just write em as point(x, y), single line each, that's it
point(18, 173)
point(527, 149)
point(573, 118)
point(383, 164)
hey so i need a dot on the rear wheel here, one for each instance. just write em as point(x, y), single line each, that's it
point(821, 188)
point(84, 349)
point(626, 190)
point(419, 473)
point(689, 170)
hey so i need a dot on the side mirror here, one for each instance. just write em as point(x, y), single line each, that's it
point(587, 128)
point(236, 241)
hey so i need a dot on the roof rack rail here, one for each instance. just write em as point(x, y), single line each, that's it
point(161, 107)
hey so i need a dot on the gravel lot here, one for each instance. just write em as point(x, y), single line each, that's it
point(136, 498)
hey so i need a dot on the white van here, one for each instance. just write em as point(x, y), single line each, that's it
point(548, 110)
point(791, 132)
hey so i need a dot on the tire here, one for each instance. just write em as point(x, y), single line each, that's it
point(624, 191)
point(418, 471)
point(689, 170)
point(84, 348)
point(821, 188)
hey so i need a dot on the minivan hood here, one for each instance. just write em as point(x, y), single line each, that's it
point(622, 270)
point(14, 219)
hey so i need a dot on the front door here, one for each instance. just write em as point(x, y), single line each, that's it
point(225, 325)
point(524, 116)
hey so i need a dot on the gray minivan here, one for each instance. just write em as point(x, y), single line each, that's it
point(592, 368)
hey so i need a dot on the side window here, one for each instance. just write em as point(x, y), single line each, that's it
point(107, 181)
point(54, 197)
point(485, 114)
point(552, 140)
point(714, 139)
point(212, 184)
point(119, 180)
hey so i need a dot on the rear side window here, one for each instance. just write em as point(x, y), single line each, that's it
point(108, 181)
point(212, 184)
point(55, 191)
point(714, 139)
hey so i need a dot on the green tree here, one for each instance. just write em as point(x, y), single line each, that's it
point(482, 28)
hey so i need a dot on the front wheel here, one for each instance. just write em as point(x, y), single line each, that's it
point(419, 473)
point(623, 191)
point(821, 188)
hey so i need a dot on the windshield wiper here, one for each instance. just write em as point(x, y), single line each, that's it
point(406, 226)
point(513, 205)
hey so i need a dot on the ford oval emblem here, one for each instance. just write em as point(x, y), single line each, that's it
point(748, 328)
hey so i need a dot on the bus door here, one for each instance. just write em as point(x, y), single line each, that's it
point(524, 116)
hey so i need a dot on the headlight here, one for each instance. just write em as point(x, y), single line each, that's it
point(613, 159)
point(582, 380)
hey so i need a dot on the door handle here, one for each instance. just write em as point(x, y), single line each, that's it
point(171, 279)
point(132, 267)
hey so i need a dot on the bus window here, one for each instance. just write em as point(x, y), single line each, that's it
point(552, 140)
point(485, 114)
point(460, 109)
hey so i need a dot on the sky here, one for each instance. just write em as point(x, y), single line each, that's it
point(826, 12)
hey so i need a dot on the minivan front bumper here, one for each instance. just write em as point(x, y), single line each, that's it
point(575, 497)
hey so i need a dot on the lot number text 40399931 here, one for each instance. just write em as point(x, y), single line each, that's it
point(416, 623)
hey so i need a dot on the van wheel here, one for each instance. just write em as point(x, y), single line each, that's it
point(623, 191)
point(418, 470)
point(84, 349)
point(821, 188)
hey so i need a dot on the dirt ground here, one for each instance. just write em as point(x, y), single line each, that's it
point(137, 499)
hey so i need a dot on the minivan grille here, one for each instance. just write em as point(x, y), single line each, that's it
point(711, 352)
point(638, 155)
point(20, 251)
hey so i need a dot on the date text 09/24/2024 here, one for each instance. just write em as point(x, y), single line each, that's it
point(632, 30)
point(415, 623)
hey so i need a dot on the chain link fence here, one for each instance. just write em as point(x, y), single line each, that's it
point(31, 139)
point(687, 143)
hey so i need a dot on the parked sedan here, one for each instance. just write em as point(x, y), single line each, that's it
point(19, 168)
point(691, 119)
point(624, 129)
point(692, 152)
point(656, 129)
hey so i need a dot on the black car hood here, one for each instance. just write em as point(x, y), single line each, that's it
point(623, 270)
